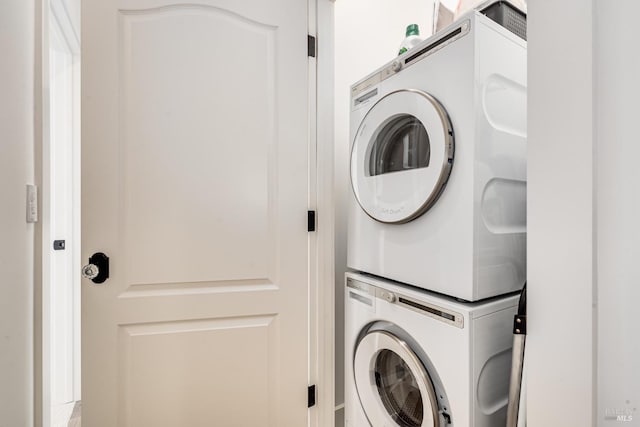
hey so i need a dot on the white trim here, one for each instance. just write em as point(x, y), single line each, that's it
point(561, 217)
point(40, 59)
point(323, 308)
point(61, 14)
point(49, 12)
point(314, 288)
point(43, 374)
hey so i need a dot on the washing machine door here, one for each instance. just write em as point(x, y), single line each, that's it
point(393, 386)
point(402, 156)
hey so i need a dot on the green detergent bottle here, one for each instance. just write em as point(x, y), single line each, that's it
point(412, 38)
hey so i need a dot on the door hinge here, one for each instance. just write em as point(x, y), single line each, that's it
point(311, 220)
point(311, 396)
point(311, 46)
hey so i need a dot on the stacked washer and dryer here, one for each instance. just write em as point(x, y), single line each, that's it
point(437, 229)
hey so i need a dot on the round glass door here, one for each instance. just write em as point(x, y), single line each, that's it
point(393, 385)
point(398, 389)
point(401, 156)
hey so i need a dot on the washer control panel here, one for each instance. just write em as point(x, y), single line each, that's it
point(434, 311)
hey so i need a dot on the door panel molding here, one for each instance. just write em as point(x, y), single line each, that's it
point(144, 196)
point(219, 286)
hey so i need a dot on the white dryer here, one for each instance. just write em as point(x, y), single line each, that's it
point(416, 359)
point(438, 164)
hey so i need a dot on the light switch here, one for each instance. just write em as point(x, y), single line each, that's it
point(32, 203)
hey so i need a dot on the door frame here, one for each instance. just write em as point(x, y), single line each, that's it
point(321, 198)
point(45, 12)
point(322, 291)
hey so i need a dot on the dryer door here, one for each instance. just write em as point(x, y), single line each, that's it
point(401, 156)
point(393, 385)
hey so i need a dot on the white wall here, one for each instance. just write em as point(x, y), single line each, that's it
point(560, 344)
point(584, 203)
point(616, 113)
point(368, 34)
point(16, 251)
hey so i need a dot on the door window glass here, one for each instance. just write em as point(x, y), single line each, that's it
point(398, 389)
point(402, 144)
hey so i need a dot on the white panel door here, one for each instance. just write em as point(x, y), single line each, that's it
point(195, 184)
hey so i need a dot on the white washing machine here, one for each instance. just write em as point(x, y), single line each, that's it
point(438, 164)
point(416, 359)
